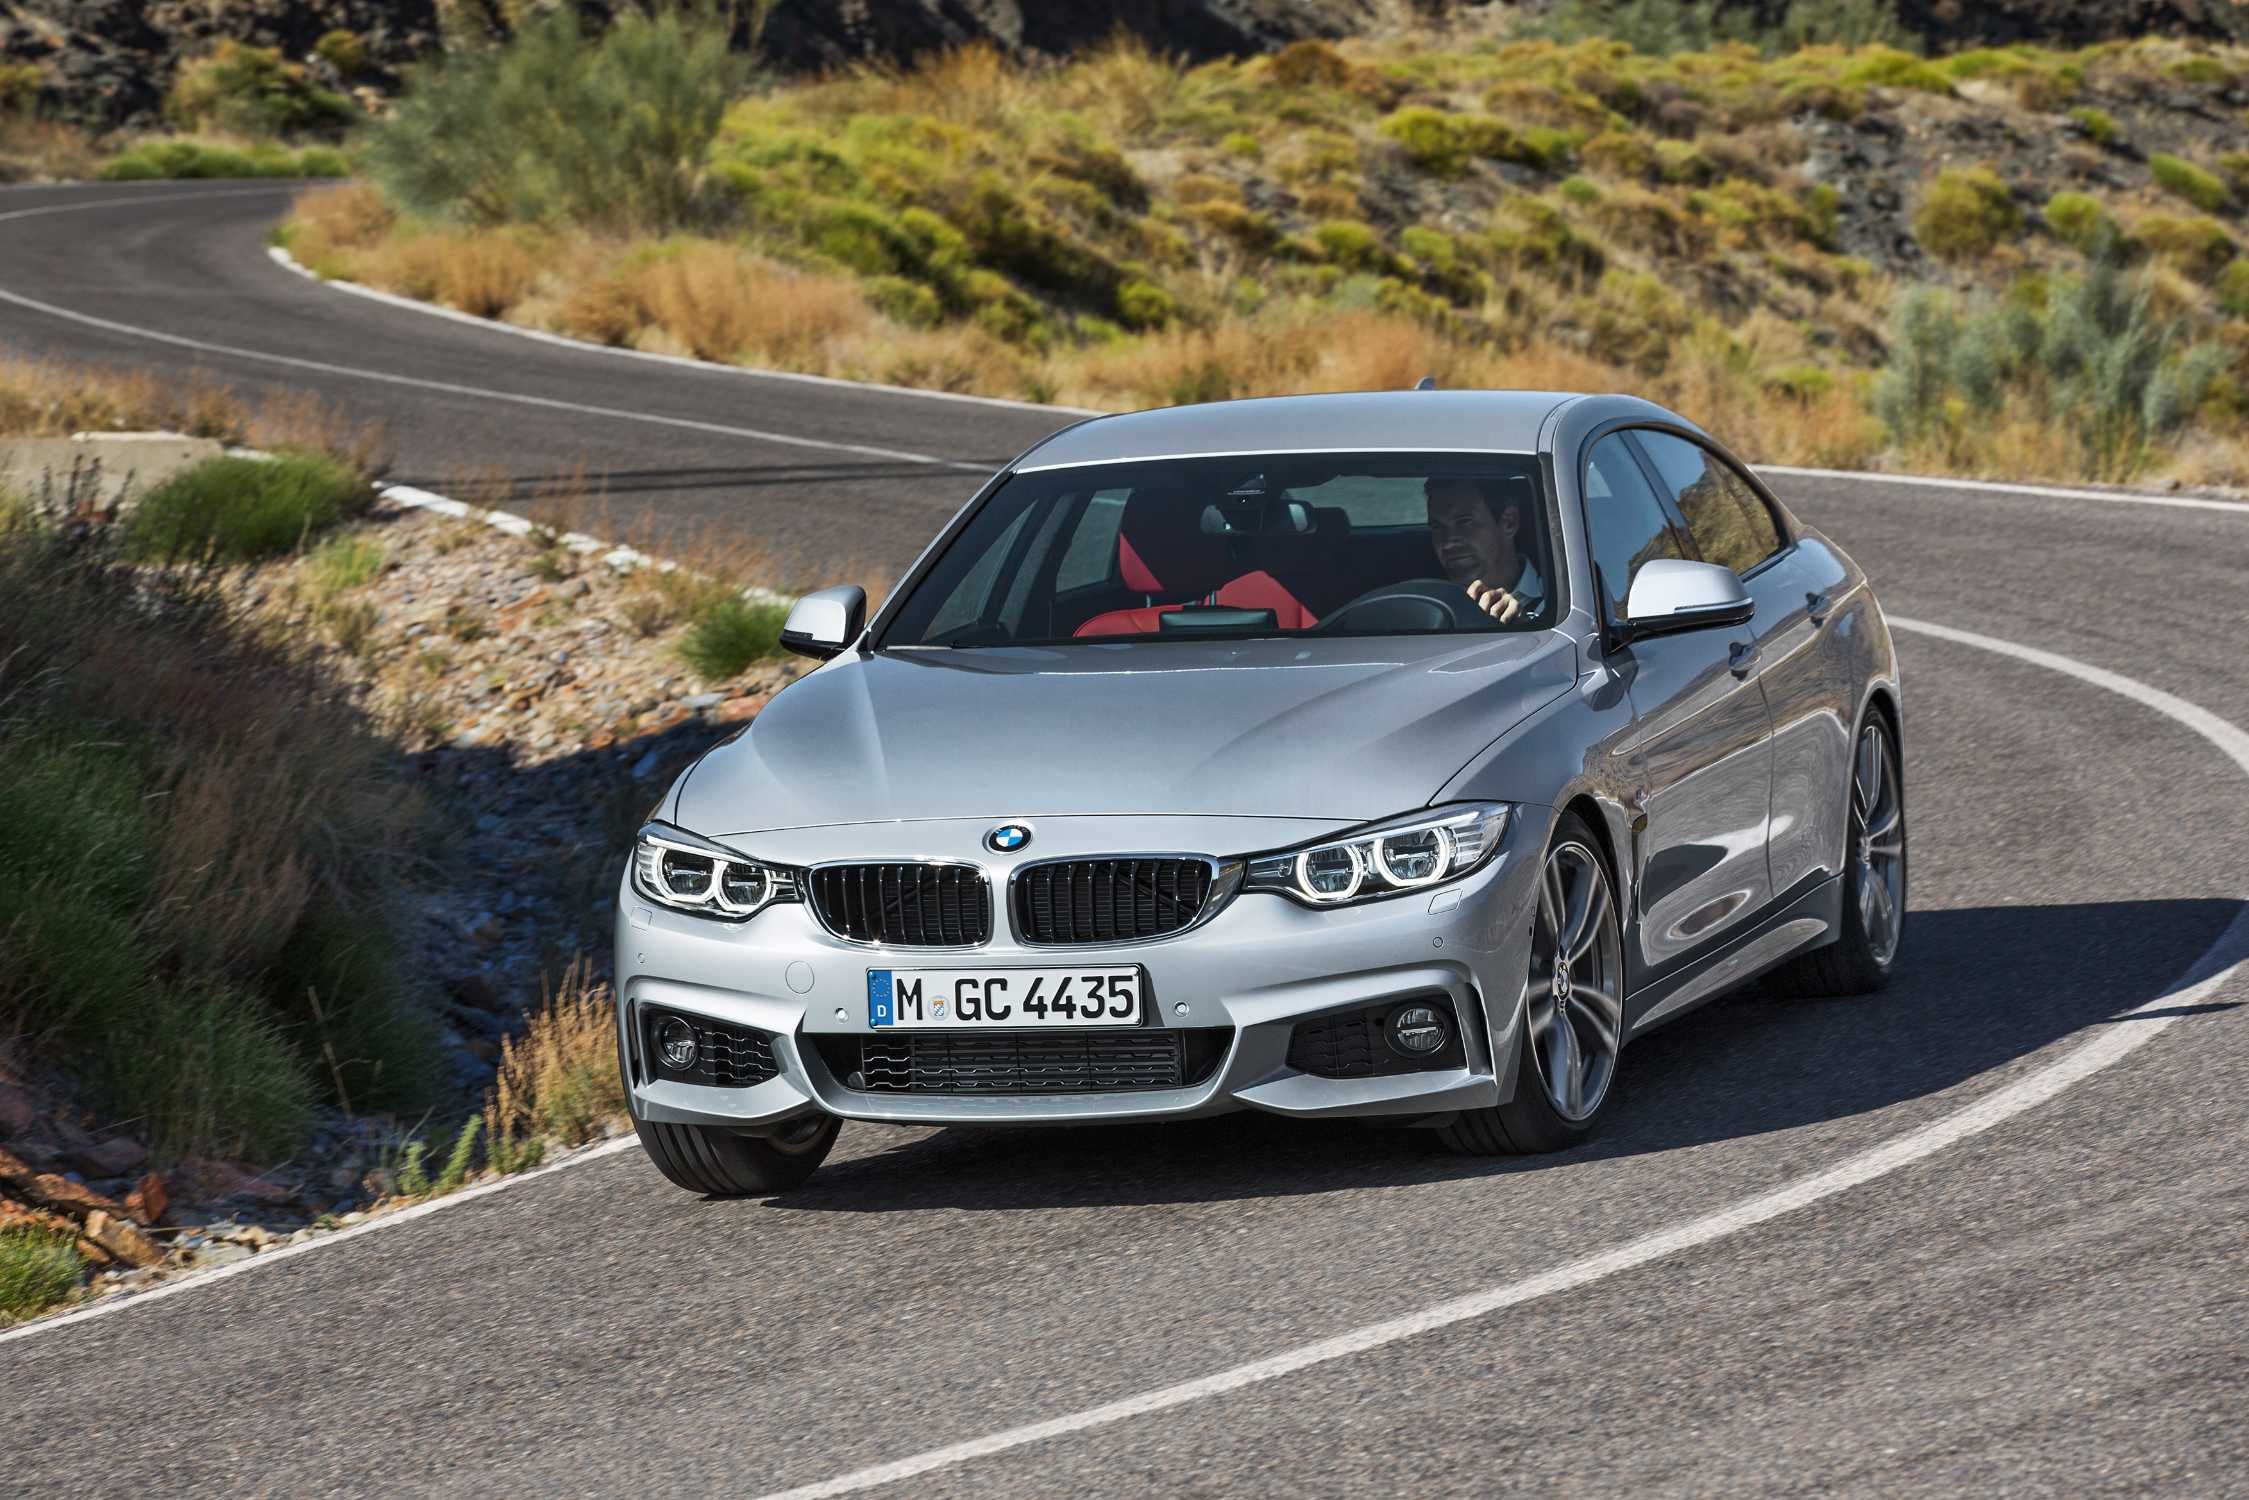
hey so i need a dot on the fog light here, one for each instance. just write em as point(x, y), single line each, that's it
point(675, 1039)
point(1418, 1030)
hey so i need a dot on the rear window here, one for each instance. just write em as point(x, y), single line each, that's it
point(1296, 544)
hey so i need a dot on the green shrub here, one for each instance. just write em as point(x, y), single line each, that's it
point(2183, 179)
point(730, 633)
point(1143, 304)
point(152, 160)
point(252, 91)
point(20, 83)
point(341, 50)
point(1431, 139)
point(336, 989)
point(1350, 244)
point(1965, 213)
point(2098, 124)
point(345, 562)
point(2233, 289)
point(2077, 219)
point(244, 509)
point(2093, 359)
point(38, 1269)
point(2198, 244)
point(614, 131)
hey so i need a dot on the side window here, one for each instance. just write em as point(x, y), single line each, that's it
point(1629, 524)
point(1730, 522)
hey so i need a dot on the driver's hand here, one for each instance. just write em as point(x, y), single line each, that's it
point(1498, 603)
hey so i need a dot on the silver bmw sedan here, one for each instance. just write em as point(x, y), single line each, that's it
point(1395, 755)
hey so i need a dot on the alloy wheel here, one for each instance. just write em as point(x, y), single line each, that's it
point(1878, 841)
point(1575, 1008)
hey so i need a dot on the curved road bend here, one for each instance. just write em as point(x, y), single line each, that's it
point(2056, 1305)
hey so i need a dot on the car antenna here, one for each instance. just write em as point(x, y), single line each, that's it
point(1426, 383)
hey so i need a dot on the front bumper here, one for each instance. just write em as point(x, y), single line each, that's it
point(1244, 978)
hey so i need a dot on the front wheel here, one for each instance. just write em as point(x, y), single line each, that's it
point(722, 1164)
point(1573, 1010)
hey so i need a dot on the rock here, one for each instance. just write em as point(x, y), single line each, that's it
point(703, 700)
point(256, 1236)
point(17, 1113)
point(648, 765)
point(739, 710)
point(123, 1241)
point(65, 1196)
point(14, 1170)
point(149, 1200)
point(115, 1157)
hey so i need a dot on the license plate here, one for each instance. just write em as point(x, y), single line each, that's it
point(969, 999)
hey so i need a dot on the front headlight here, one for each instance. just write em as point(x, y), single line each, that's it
point(674, 868)
point(1388, 859)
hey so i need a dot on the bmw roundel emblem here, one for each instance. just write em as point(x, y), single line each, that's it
point(1007, 838)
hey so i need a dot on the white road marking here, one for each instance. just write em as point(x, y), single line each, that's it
point(2112, 1044)
point(283, 258)
point(201, 1279)
point(451, 388)
point(1994, 487)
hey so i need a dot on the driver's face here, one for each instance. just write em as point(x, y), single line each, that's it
point(1472, 544)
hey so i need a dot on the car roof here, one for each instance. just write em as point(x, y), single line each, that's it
point(1361, 421)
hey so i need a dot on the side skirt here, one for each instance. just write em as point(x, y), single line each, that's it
point(1813, 918)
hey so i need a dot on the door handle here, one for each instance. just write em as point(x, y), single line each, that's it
point(1741, 659)
point(1819, 605)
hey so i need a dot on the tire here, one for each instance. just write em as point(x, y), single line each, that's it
point(1555, 1106)
point(723, 1164)
point(1860, 959)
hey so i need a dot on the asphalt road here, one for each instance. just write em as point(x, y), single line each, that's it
point(2059, 1304)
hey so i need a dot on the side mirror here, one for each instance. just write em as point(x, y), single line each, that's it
point(1670, 594)
point(822, 624)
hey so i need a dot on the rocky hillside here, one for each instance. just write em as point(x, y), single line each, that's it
point(109, 63)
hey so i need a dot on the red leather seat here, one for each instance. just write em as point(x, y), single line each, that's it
point(1162, 549)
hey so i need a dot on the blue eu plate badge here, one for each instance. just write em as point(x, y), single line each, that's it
point(880, 1007)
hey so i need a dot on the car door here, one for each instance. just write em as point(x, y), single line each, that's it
point(1809, 696)
point(1699, 752)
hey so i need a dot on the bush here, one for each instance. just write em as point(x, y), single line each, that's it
point(614, 132)
point(559, 1080)
point(2098, 124)
point(2198, 245)
point(2078, 220)
point(252, 91)
point(1965, 213)
point(243, 509)
point(2094, 360)
point(2233, 289)
point(20, 83)
point(37, 1270)
point(729, 634)
point(2183, 179)
point(341, 50)
point(152, 160)
point(187, 807)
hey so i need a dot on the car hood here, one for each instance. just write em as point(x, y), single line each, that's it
point(1344, 731)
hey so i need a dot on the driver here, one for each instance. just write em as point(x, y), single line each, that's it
point(1473, 525)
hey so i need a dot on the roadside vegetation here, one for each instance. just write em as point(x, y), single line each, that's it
point(1634, 196)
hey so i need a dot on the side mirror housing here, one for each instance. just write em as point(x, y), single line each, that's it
point(1670, 594)
point(820, 625)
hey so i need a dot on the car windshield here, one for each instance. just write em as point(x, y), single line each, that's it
point(1265, 545)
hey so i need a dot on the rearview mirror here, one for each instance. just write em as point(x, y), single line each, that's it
point(822, 624)
point(1670, 594)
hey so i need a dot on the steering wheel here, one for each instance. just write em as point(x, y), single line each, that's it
point(1416, 604)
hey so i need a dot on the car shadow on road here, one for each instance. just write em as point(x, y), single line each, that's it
point(1977, 988)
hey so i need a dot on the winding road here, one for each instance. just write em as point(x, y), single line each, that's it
point(1988, 1231)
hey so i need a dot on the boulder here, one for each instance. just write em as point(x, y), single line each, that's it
point(122, 1240)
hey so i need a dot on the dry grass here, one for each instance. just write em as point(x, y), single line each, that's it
point(559, 1081)
point(41, 398)
point(479, 272)
point(33, 150)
